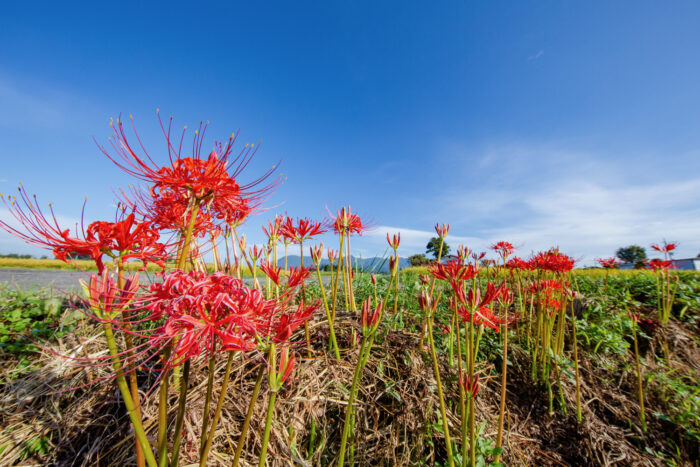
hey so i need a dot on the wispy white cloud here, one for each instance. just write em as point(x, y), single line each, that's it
point(22, 108)
point(536, 56)
point(588, 204)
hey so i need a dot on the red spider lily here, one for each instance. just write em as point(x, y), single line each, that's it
point(463, 253)
point(393, 264)
point(424, 301)
point(105, 298)
point(286, 364)
point(478, 256)
point(204, 179)
point(424, 279)
point(316, 253)
point(255, 253)
point(608, 263)
point(659, 264)
point(504, 249)
point(281, 325)
point(273, 231)
point(552, 260)
point(347, 223)
point(665, 248)
point(482, 316)
point(454, 271)
point(303, 230)
point(394, 241)
point(442, 230)
point(369, 319)
point(518, 263)
point(272, 271)
point(470, 387)
point(125, 238)
point(170, 211)
point(332, 255)
point(475, 300)
point(297, 275)
point(201, 308)
point(373, 278)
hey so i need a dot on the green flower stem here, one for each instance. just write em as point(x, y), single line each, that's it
point(334, 343)
point(268, 426)
point(217, 413)
point(432, 288)
point(163, 413)
point(180, 413)
point(126, 395)
point(351, 400)
point(642, 417)
point(303, 300)
point(504, 380)
point(436, 370)
point(334, 297)
point(207, 400)
point(248, 416)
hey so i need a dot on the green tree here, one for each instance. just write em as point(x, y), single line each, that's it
point(418, 260)
point(433, 247)
point(633, 254)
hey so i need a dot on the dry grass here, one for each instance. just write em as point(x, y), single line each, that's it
point(396, 413)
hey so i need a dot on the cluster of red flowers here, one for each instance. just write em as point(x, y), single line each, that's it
point(552, 260)
point(207, 311)
point(659, 264)
point(549, 292)
point(608, 263)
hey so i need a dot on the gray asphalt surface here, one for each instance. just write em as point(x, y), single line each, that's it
point(65, 280)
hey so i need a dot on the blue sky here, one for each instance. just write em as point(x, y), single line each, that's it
point(542, 123)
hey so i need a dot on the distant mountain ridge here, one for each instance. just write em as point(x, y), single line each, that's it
point(374, 264)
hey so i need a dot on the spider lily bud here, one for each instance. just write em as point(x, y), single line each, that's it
point(424, 279)
point(394, 241)
point(277, 378)
point(392, 264)
point(373, 278)
point(369, 319)
point(442, 230)
point(316, 253)
point(332, 255)
point(470, 387)
point(463, 253)
point(424, 301)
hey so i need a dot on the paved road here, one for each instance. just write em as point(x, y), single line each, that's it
point(64, 280)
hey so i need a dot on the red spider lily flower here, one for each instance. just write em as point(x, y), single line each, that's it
point(105, 298)
point(504, 249)
point(303, 230)
point(659, 264)
point(424, 301)
point(552, 260)
point(518, 263)
point(347, 223)
point(286, 364)
point(478, 256)
point(475, 300)
point(482, 316)
point(272, 271)
point(608, 263)
point(255, 253)
point(455, 272)
point(332, 256)
point(273, 230)
point(203, 179)
point(201, 308)
point(442, 230)
point(369, 319)
point(282, 324)
point(471, 387)
point(123, 238)
point(394, 241)
point(665, 248)
point(634, 316)
point(373, 278)
point(463, 253)
point(297, 275)
point(424, 279)
point(316, 253)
